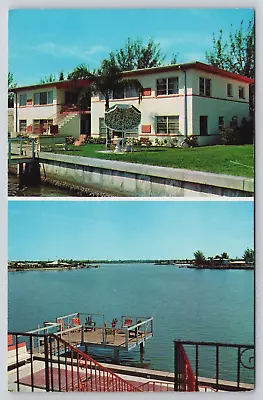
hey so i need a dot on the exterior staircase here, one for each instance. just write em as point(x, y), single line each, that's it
point(65, 119)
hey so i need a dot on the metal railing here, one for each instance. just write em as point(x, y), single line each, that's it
point(228, 370)
point(155, 386)
point(65, 368)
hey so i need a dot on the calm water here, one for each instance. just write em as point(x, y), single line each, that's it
point(14, 189)
point(186, 304)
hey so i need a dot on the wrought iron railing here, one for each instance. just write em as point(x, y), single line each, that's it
point(227, 374)
point(155, 386)
point(65, 368)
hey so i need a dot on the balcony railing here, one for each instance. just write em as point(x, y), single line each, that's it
point(64, 368)
point(228, 361)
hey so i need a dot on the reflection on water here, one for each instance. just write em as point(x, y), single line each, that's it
point(41, 190)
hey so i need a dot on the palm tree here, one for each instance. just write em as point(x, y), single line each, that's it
point(105, 81)
point(224, 256)
point(249, 256)
point(200, 258)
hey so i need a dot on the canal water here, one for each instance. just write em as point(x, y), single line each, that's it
point(187, 304)
point(49, 190)
point(15, 189)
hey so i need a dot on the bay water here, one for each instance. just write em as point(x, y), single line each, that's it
point(187, 304)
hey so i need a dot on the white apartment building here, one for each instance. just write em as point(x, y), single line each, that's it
point(50, 108)
point(181, 100)
point(178, 101)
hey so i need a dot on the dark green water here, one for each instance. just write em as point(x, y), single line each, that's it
point(187, 304)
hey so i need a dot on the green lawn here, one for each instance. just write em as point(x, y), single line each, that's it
point(231, 160)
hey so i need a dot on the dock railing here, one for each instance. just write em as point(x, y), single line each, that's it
point(140, 329)
point(20, 146)
point(65, 368)
point(227, 363)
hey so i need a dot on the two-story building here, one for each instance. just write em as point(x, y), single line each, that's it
point(178, 101)
point(181, 100)
point(51, 108)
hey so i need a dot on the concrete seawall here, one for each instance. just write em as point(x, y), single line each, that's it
point(141, 180)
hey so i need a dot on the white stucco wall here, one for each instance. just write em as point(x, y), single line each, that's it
point(71, 128)
point(213, 108)
point(219, 104)
point(150, 106)
point(31, 112)
point(11, 126)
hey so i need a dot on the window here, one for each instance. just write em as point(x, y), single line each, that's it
point(124, 93)
point(22, 100)
point(22, 125)
point(43, 98)
point(220, 123)
point(41, 125)
point(205, 87)
point(167, 86)
point(241, 92)
point(229, 89)
point(118, 94)
point(167, 124)
point(130, 92)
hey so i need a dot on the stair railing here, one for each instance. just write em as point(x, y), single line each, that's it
point(91, 375)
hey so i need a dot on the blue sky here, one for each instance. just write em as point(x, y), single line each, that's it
point(128, 229)
point(49, 41)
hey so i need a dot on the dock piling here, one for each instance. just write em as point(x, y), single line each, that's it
point(142, 351)
point(116, 356)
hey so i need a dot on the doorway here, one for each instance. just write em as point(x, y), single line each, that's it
point(203, 125)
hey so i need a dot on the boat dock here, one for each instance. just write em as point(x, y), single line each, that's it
point(92, 330)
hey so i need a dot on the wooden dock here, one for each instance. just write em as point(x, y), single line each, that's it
point(78, 330)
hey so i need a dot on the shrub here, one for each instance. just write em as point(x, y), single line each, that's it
point(234, 134)
point(230, 136)
point(247, 131)
point(70, 140)
point(148, 143)
point(190, 141)
point(173, 142)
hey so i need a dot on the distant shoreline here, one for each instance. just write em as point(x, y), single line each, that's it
point(12, 268)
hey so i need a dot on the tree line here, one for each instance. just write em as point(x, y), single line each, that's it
point(200, 258)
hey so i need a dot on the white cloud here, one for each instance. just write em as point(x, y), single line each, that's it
point(71, 50)
point(171, 39)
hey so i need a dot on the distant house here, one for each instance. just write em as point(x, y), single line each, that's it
point(50, 108)
point(178, 101)
point(181, 100)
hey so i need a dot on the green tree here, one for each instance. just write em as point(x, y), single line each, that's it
point(61, 76)
point(11, 85)
point(200, 258)
point(105, 80)
point(49, 79)
point(224, 256)
point(237, 52)
point(249, 256)
point(174, 59)
point(136, 55)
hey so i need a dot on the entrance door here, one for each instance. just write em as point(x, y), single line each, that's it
point(85, 124)
point(203, 125)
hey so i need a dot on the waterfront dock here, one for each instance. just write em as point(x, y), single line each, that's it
point(88, 330)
